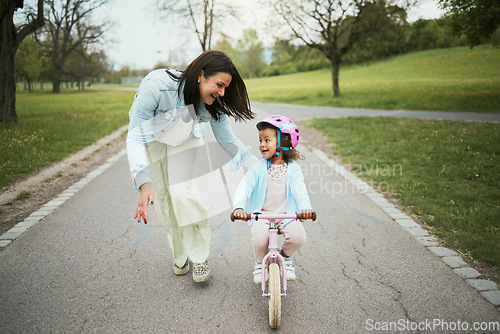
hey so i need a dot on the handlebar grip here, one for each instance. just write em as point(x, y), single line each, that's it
point(300, 216)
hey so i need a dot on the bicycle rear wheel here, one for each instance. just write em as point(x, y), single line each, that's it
point(275, 298)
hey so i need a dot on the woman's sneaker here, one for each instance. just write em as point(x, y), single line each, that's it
point(290, 270)
point(201, 272)
point(257, 273)
point(181, 271)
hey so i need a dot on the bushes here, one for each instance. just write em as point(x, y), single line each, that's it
point(432, 34)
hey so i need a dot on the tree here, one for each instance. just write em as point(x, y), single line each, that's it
point(83, 65)
point(477, 19)
point(69, 28)
point(331, 26)
point(290, 58)
point(225, 46)
point(283, 58)
point(384, 28)
point(29, 61)
point(10, 39)
point(250, 49)
point(320, 25)
point(202, 14)
point(432, 34)
point(283, 51)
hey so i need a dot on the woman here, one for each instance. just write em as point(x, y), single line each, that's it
point(166, 128)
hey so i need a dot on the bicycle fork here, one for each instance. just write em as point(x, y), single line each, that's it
point(272, 257)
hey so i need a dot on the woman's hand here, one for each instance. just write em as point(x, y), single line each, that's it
point(147, 197)
point(307, 214)
point(241, 214)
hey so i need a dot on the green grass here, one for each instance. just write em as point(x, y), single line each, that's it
point(455, 79)
point(445, 172)
point(52, 126)
point(22, 196)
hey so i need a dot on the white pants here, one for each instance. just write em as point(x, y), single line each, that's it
point(293, 232)
point(178, 203)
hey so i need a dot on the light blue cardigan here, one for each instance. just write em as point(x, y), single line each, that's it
point(252, 190)
point(158, 93)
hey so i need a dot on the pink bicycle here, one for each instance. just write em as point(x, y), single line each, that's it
point(270, 261)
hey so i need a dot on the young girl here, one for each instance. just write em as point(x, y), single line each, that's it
point(275, 184)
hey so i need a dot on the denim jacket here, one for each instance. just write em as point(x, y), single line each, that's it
point(158, 93)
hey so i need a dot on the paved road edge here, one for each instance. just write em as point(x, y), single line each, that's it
point(49, 207)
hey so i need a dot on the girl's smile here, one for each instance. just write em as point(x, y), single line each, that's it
point(268, 143)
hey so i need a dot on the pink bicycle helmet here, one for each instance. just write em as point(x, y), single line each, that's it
point(285, 125)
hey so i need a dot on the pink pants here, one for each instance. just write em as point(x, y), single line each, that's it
point(293, 232)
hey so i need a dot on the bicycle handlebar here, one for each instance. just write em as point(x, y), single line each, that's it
point(259, 215)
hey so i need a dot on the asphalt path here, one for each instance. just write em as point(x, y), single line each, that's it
point(297, 112)
point(89, 267)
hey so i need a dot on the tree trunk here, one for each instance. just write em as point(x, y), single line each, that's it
point(56, 86)
point(7, 53)
point(9, 42)
point(56, 82)
point(334, 66)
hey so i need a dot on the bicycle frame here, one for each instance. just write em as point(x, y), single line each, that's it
point(272, 256)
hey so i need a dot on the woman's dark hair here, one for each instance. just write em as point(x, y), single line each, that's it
point(235, 101)
point(286, 141)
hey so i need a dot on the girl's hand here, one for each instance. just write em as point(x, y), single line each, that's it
point(241, 214)
point(147, 197)
point(307, 214)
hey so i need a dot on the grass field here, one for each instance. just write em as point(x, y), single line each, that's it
point(456, 79)
point(52, 126)
point(445, 172)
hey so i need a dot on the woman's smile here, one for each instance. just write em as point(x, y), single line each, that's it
point(213, 87)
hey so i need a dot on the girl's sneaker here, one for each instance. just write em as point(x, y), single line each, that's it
point(201, 272)
point(257, 273)
point(290, 270)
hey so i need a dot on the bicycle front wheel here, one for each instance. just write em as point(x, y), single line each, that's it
point(275, 298)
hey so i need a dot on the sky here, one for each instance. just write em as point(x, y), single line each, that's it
point(140, 39)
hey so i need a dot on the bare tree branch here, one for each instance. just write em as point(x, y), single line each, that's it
point(191, 14)
point(201, 15)
point(32, 26)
